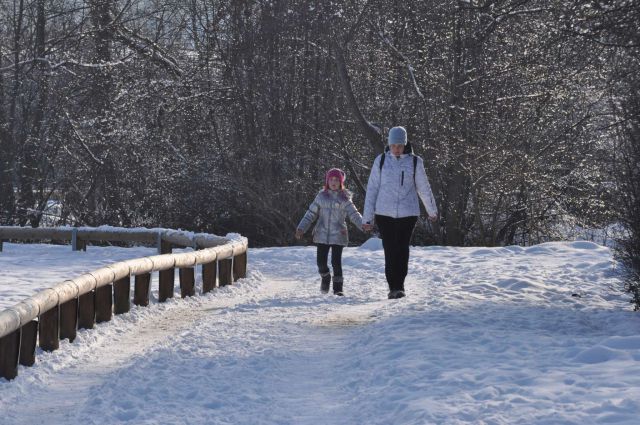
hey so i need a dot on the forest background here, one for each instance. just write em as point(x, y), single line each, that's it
point(220, 115)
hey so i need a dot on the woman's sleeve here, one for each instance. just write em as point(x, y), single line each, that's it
point(424, 189)
point(310, 216)
point(373, 187)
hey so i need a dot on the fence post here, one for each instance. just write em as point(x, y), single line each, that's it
point(87, 310)
point(1, 241)
point(121, 295)
point(104, 303)
point(240, 266)
point(187, 282)
point(224, 271)
point(141, 290)
point(9, 355)
point(28, 343)
point(165, 277)
point(49, 329)
point(209, 276)
point(69, 319)
point(74, 239)
point(165, 284)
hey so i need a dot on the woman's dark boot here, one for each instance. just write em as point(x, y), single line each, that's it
point(325, 282)
point(337, 285)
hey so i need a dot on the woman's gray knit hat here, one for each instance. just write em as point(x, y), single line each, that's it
point(397, 136)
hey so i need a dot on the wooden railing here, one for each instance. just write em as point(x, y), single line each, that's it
point(56, 313)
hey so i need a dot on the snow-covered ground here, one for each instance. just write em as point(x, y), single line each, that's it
point(539, 335)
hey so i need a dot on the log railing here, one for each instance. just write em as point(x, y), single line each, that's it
point(56, 313)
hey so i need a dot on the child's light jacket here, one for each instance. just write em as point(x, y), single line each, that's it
point(331, 209)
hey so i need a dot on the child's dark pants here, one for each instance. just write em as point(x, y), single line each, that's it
point(336, 259)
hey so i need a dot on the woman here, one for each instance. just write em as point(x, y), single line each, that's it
point(396, 181)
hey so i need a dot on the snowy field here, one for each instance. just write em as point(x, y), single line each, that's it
point(539, 335)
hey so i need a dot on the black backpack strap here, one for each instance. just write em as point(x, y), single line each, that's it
point(382, 160)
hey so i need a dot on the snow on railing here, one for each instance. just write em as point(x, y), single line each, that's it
point(57, 312)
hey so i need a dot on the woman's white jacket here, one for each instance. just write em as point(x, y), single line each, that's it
point(394, 192)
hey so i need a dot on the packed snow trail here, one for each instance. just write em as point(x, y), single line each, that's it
point(486, 335)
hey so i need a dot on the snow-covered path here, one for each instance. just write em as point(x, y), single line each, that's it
point(486, 335)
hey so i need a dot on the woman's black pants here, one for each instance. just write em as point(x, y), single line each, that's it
point(396, 236)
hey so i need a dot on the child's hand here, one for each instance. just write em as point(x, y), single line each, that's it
point(433, 218)
point(366, 227)
point(299, 234)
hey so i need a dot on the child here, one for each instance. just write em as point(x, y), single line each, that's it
point(331, 207)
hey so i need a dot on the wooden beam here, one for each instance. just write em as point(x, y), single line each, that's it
point(240, 266)
point(69, 319)
point(209, 276)
point(122, 295)
point(87, 310)
point(9, 355)
point(224, 272)
point(104, 303)
point(141, 291)
point(49, 329)
point(187, 282)
point(28, 343)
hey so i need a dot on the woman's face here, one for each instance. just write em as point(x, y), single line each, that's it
point(334, 183)
point(397, 149)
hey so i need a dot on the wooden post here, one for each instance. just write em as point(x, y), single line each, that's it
point(224, 271)
point(209, 276)
point(165, 247)
point(69, 319)
point(82, 245)
point(240, 266)
point(121, 295)
point(165, 284)
point(104, 303)
point(1, 241)
point(9, 355)
point(87, 310)
point(141, 291)
point(49, 329)
point(187, 282)
point(28, 343)
point(165, 277)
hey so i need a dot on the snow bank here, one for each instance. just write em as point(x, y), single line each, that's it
point(491, 335)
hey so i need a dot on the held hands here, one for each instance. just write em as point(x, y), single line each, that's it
point(366, 227)
point(299, 234)
point(433, 218)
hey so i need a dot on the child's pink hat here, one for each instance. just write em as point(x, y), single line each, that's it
point(334, 172)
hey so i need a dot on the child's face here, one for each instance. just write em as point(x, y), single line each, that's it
point(334, 183)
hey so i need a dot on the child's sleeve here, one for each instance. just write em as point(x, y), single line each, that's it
point(354, 215)
point(310, 216)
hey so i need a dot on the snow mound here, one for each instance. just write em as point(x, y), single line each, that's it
point(623, 343)
point(599, 354)
point(585, 245)
point(516, 284)
point(372, 244)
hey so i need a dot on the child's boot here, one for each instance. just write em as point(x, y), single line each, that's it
point(325, 282)
point(337, 285)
